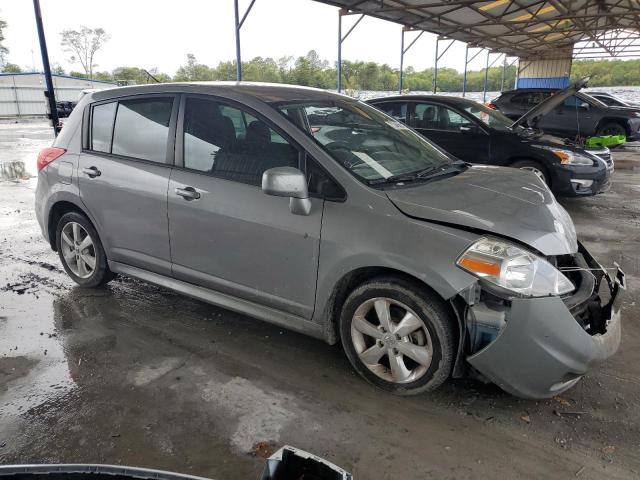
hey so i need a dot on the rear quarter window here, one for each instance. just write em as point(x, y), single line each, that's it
point(102, 126)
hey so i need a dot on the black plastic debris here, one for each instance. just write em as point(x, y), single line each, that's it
point(290, 463)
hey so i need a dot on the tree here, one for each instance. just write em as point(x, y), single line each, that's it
point(194, 71)
point(3, 50)
point(57, 69)
point(83, 45)
point(11, 68)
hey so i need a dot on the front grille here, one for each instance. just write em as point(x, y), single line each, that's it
point(584, 302)
point(604, 155)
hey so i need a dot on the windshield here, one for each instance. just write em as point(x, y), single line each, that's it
point(489, 117)
point(371, 145)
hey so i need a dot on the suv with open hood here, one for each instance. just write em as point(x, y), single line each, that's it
point(478, 134)
point(322, 214)
point(579, 115)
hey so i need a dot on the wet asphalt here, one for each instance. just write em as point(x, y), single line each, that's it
point(137, 375)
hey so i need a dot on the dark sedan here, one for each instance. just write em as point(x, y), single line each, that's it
point(478, 134)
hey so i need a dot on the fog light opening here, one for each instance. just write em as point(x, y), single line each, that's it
point(581, 185)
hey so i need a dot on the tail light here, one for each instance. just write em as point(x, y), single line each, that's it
point(492, 106)
point(48, 155)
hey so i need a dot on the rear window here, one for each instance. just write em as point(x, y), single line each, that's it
point(102, 126)
point(529, 99)
point(141, 128)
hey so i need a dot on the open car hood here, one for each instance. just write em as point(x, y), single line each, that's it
point(532, 116)
point(493, 200)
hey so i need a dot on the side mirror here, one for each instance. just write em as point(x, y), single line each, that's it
point(288, 182)
point(585, 105)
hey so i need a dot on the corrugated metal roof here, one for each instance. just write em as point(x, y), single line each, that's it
point(523, 28)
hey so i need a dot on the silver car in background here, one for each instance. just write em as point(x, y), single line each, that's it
point(321, 214)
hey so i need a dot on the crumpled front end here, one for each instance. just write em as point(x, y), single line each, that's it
point(540, 347)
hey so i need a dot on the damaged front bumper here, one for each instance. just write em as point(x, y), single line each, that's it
point(544, 345)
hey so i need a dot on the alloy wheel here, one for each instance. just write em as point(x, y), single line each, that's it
point(391, 340)
point(78, 250)
point(536, 171)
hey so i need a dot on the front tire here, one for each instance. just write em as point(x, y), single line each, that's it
point(611, 128)
point(399, 337)
point(536, 168)
point(81, 251)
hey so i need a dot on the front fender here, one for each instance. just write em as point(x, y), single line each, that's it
point(354, 238)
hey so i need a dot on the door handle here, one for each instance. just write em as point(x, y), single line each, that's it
point(92, 172)
point(188, 193)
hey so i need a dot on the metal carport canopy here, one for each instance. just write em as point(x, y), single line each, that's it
point(521, 28)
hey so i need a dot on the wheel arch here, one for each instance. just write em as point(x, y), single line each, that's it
point(619, 121)
point(350, 280)
point(57, 210)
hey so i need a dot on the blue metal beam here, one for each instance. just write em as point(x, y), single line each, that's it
point(51, 97)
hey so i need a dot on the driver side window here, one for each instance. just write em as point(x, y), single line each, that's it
point(437, 117)
point(230, 143)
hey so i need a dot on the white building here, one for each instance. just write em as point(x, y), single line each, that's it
point(22, 94)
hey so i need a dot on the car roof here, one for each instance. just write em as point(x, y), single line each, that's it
point(431, 98)
point(526, 90)
point(266, 92)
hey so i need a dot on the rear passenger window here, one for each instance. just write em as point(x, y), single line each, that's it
point(142, 129)
point(230, 143)
point(102, 126)
point(394, 109)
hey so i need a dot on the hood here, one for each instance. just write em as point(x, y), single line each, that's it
point(532, 116)
point(553, 141)
point(496, 200)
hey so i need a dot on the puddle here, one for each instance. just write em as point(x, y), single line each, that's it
point(33, 365)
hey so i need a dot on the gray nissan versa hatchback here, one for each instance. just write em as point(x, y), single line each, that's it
point(321, 214)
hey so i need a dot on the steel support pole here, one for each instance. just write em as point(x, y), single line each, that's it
point(435, 68)
point(341, 39)
point(401, 62)
point(504, 68)
point(238, 52)
point(46, 67)
point(486, 79)
point(339, 51)
point(239, 22)
point(464, 76)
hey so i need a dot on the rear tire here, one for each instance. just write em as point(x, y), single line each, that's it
point(398, 336)
point(532, 166)
point(611, 128)
point(81, 252)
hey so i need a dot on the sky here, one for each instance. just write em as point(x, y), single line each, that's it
point(159, 33)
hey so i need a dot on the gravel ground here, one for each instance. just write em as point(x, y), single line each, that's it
point(135, 374)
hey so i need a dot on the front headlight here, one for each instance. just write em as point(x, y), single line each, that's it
point(567, 157)
point(511, 267)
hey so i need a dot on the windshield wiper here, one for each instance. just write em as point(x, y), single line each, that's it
point(426, 173)
point(451, 169)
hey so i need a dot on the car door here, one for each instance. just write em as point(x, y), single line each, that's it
point(450, 129)
point(226, 234)
point(124, 171)
point(571, 117)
